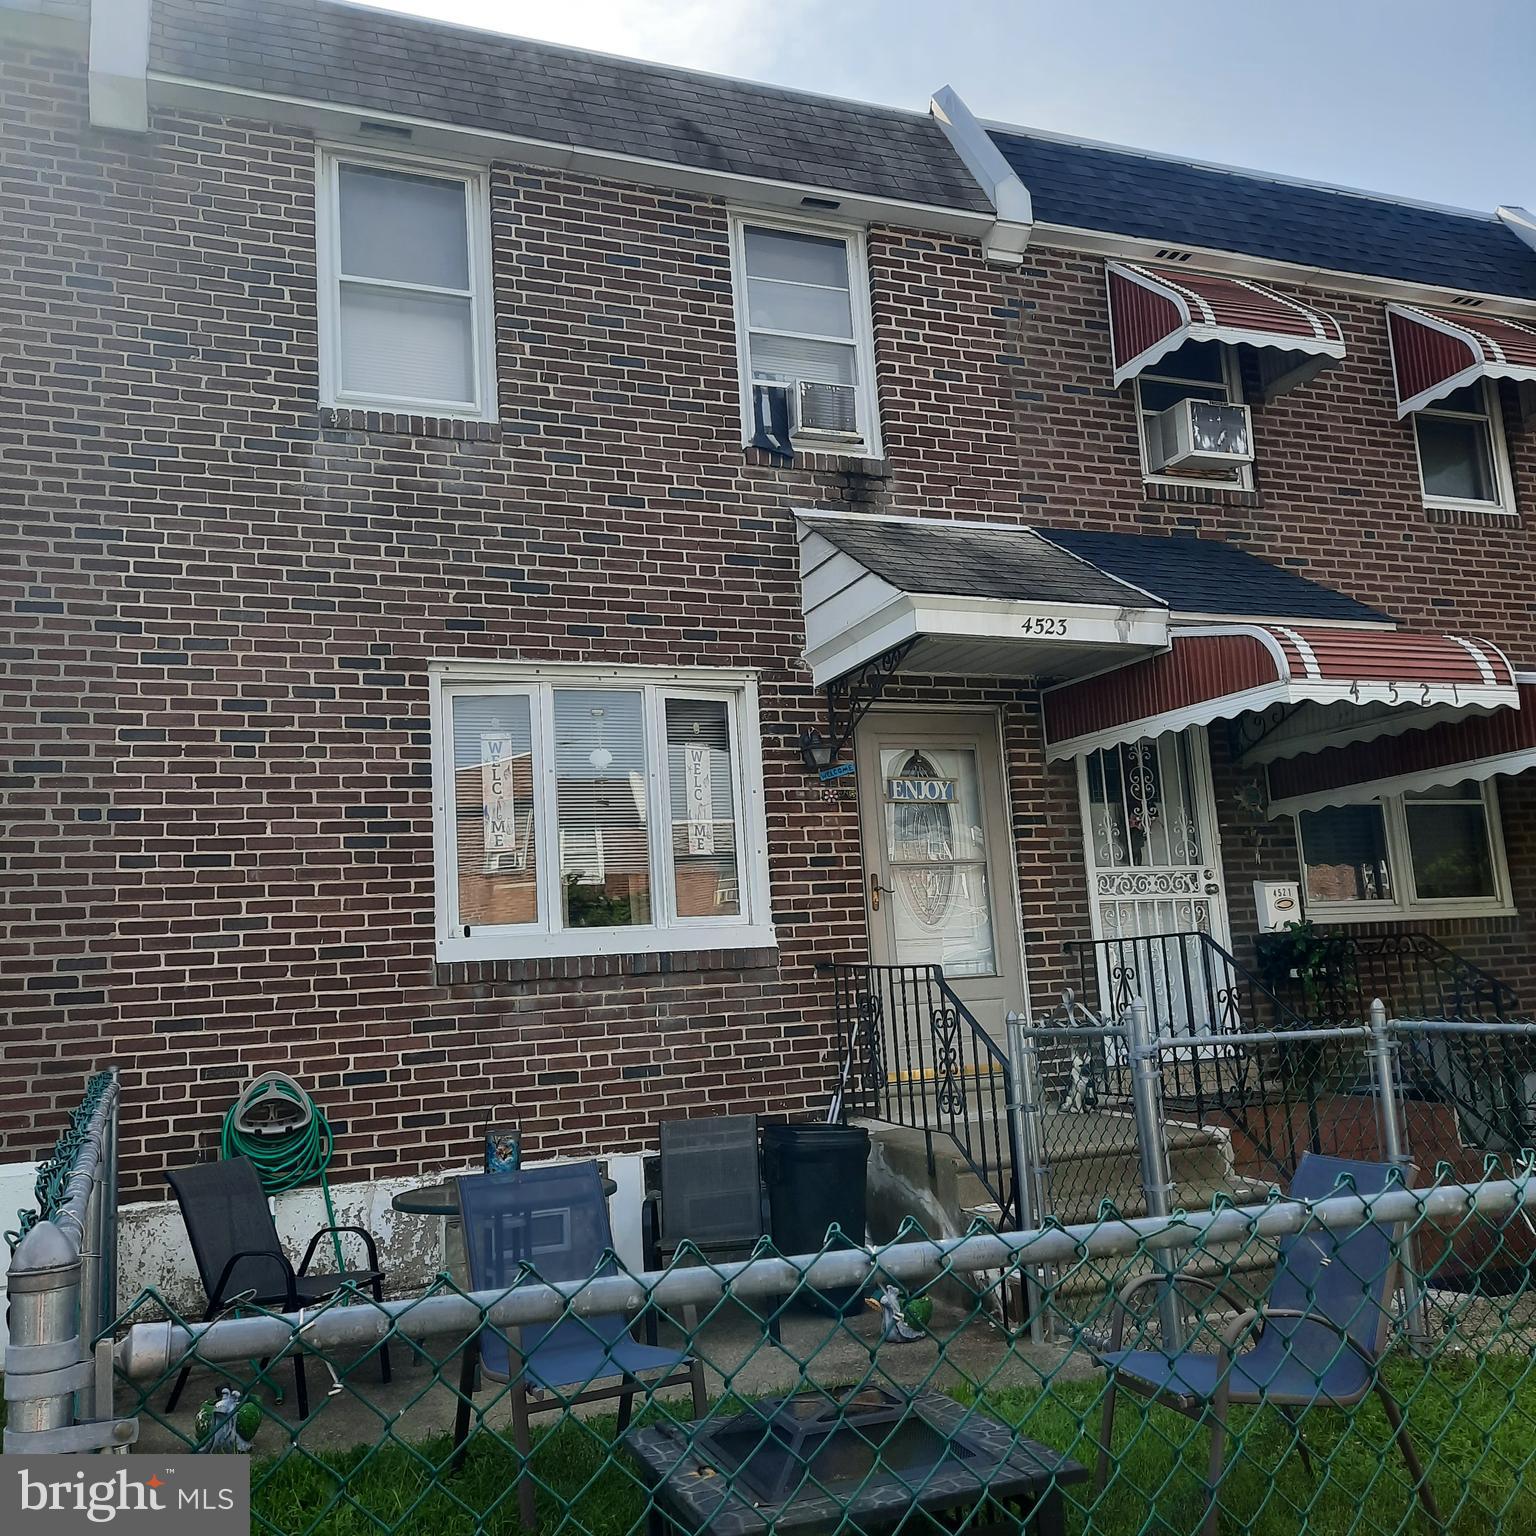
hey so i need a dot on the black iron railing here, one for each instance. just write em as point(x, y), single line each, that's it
point(1416, 976)
point(913, 1054)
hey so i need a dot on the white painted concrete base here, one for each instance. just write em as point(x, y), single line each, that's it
point(153, 1251)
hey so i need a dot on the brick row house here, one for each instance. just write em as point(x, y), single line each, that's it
point(518, 560)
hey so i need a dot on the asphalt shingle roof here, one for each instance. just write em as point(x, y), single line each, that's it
point(1091, 186)
point(352, 56)
point(1209, 576)
point(950, 559)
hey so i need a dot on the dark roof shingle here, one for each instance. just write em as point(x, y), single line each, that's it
point(348, 55)
point(952, 559)
point(1207, 576)
point(1116, 191)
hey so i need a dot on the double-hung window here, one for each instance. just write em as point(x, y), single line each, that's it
point(803, 321)
point(405, 292)
point(1430, 852)
point(1199, 370)
point(1462, 459)
point(585, 813)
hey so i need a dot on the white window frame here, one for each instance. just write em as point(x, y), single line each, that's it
point(867, 398)
point(1232, 379)
point(1406, 902)
point(481, 292)
point(667, 932)
point(1503, 480)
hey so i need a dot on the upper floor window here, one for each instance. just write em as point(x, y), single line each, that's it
point(1199, 370)
point(589, 813)
point(1432, 852)
point(802, 306)
point(405, 293)
point(1462, 458)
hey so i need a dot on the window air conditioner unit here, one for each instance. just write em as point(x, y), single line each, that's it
point(826, 410)
point(1201, 434)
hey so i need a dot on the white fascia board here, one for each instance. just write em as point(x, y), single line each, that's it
point(910, 616)
point(342, 124)
point(1005, 243)
point(1261, 269)
point(118, 80)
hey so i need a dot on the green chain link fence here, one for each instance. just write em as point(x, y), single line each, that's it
point(53, 1176)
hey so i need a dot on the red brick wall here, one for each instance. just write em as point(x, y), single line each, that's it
point(223, 603)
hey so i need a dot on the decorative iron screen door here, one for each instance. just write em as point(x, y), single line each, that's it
point(1154, 871)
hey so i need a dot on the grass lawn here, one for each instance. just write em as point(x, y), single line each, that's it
point(1473, 1420)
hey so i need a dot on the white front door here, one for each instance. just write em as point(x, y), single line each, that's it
point(1154, 871)
point(939, 870)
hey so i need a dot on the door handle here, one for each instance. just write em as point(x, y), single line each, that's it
point(875, 888)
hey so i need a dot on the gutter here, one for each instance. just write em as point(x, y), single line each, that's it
point(1006, 241)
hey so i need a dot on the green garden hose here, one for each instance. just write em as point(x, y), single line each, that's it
point(276, 1124)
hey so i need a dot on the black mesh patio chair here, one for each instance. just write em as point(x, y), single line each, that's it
point(711, 1197)
point(241, 1260)
point(551, 1224)
point(1316, 1340)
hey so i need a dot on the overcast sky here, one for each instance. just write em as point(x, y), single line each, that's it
point(1423, 98)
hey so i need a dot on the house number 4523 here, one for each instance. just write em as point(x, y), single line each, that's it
point(1037, 624)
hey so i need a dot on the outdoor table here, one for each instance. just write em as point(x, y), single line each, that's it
point(696, 1488)
point(442, 1198)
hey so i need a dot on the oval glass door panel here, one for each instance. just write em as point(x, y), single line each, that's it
point(936, 854)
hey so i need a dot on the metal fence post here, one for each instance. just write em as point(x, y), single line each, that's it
point(1147, 1101)
point(42, 1353)
point(1383, 1054)
point(1023, 1117)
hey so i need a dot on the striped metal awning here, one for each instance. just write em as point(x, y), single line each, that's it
point(1370, 682)
point(1477, 746)
point(1153, 311)
point(1435, 353)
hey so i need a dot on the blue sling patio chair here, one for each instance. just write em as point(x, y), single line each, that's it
point(1321, 1333)
point(551, 1224)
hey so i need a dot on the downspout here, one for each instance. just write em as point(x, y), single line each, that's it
point(1006, 241)
point(119, 65)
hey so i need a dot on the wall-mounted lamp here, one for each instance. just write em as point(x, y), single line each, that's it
point(816, 752)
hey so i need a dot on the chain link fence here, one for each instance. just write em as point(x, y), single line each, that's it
point(1340, 1344)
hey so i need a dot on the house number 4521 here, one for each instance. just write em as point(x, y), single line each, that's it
point(1037, 624)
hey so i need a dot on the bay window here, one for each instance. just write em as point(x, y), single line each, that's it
point(583, 813)
point(405, 293)
point(1431, 852)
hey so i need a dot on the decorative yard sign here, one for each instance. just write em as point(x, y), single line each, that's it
point(699, 797)
point(496, 755)
point(911, 790)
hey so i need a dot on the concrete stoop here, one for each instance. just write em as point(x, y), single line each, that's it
point(1091, 1158)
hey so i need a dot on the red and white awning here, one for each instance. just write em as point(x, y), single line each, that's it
point(1475, 746)
point(1153, 311)
point(1435, 353)
point(1216, 672)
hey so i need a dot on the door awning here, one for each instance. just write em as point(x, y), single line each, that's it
point(1218, 672)
point(966, 599)
point(1154, 310)
point(1435, 353)
point(1476, 746)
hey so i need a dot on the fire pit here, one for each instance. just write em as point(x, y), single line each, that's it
point(861, 1460)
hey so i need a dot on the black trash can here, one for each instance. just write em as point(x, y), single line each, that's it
point(816, 1177)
